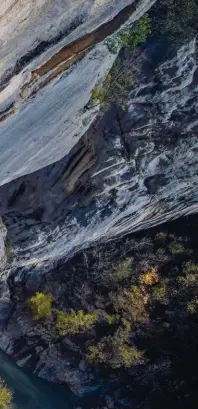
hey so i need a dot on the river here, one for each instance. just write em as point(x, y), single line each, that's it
point(31, 392)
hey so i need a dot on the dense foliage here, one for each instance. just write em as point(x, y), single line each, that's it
point(5, 396)
point(75, 321)
point(131, 311)
point(175, 19)
point(130, 38)
point(41, 305)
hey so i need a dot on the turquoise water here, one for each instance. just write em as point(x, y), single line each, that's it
point(31, 392)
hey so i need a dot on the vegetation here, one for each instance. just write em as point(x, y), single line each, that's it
point(150, 278)
point(141, 319)
point(115, 87)
point(176, 247)
point(190, 268)
point(110, 318)
point(192, 307)
point(123, 270)
point(75, 321)
point(41, 305)
point(159, 293)
point(147, 303)
point(5, 396)
point(115, 351)
point(131, 303)
point(130, 356)
point(130, 38)
point(176, 20)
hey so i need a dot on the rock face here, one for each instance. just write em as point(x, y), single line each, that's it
point(42, 91)
point(3, 233)
point(129, 171)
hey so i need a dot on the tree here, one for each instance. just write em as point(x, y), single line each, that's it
point(41, 305)
point(75, 321)
point(150, 278)
point(5, 396)
point(132, 37)
point(130, 356)
point(175, 19)
point(115, 351)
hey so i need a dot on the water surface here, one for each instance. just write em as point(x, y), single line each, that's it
point(31, 392)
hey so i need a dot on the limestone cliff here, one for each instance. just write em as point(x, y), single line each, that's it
point(72, 177)
point(52, 54)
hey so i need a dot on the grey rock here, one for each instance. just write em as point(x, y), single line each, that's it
point(109, 401)
point(3, 233)
point(83, 365)
point(47, 121)
point(67, 191)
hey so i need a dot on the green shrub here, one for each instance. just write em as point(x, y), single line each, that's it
point(114, 44)
point(110, 318)
point(98, 94)
point(192, 306)
point(98, 353)
point(114, 352)
point(130, 356)
point(150, 278)
point(41, 305)
point(177, 20)
point(189, 280)
point(123, 270)
point(190, 268)
point(5, 396)
point(176, 247)
point(132, 37)
point(75, 321)
point(159, 292)
point(131, 305)
point(115, 87)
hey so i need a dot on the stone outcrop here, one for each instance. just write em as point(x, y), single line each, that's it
point(78, 177)
point(52, 56)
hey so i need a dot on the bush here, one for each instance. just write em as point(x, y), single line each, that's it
point(150, 278)
point(110, 318)
point(159, 293)
point(98, 353)
point(98, 94)
point(190, 277)
point(130, 356)
point(192, 306)
point(191, 268)
point(75, 321)
point(131, 304)
point(123, 270)
point(114, 44)
point(177, 20)
point(176, 248)
point(41, 305)
point(115, 87)
point(130, 38)
point(189, 280)
point(114, 351)
point(5, 396)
